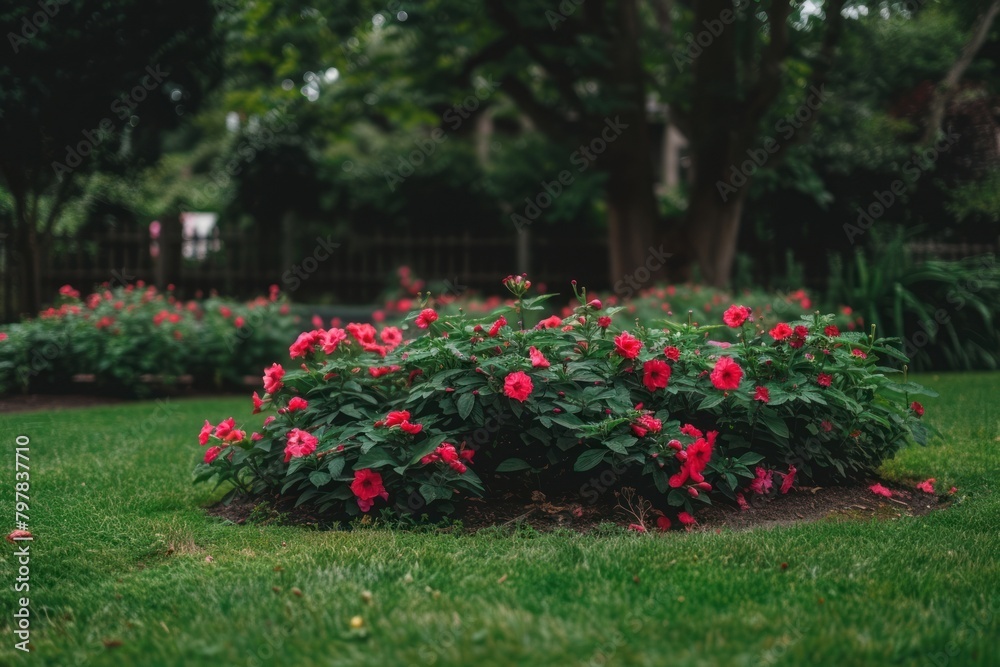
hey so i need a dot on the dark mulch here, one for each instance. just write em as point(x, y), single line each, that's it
point(547, 514)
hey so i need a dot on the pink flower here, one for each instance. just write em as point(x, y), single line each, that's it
point(225, 428)
point(304, 344)
point(735, 316)
point(727, 374)
point(426, 317)
point(332, 339)
point(595, 304)
point(604, 321)
point(363, 333)
point(927, 486)
point(917, 408)
point(637, 527)
point(762, 394)
point(742, 501)
point(3, 336)
point(762, 482)
point(781, 332)
point(672, 353)
point(211, 453)
point(663, 523)
point(268, 421)
point(880, 490)
point(297, 403)
point(824, 379)
point(206, 432)
point(655, 374)
point(518, 386)
point(538, 359)
point(392, 337)
point(367, 486)
point(786, 484)
point(627, 345)
point(68, 291)
point(859, 353)
point(272, 378)
point(686, 519)
point(300, 443)
point(550, 322)
point(257, 404)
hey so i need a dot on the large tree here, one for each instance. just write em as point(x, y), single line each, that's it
point(88, 86)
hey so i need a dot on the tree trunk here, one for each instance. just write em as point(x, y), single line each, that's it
point(632, 211)
point(713, 227)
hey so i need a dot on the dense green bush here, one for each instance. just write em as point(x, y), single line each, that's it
point(365, 419)
point(134, 338)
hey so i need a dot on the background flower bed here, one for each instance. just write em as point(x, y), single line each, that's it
point(134, 338)
point(368, 419)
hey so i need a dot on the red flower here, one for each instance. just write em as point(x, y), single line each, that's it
point(762, 394)
point(789, 480)
point(781, 332)
point(538, 359)
point(656, 374)
point(832, 331)
point(257, 404)
point(880, 490)
point(917, 408)
point(518, 386)
point(297, 403)
point(379, 371)
point(305, 343)
point(596, 304)
point(3, 336)
point(798, 337)
point(762, 482)
point(859, 353)
point(646, 424)
point(727, 374)
point(363, 333)
point(396, 418)
point(367, 486)
point(211, 453)
point(735, 316)
point(686, 519)
point(927, 486)
point(426, 317)
point(826, 425)
point(604, 321)
point(411, 428)
point(300, 443)
point(206, 432)
point(672, 353)
point(272, 378)
point(690, 430)
point(550, 322)
point(824, 379)
point(495, 328)
point(627, 345)
point(637, 527)
point(663, 523)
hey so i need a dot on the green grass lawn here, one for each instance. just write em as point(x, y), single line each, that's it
point(119, 573)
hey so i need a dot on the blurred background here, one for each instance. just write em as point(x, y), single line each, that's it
point(848, 151)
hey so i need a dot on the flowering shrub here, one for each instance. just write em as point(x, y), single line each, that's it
point(364, 419)
point(125, 335)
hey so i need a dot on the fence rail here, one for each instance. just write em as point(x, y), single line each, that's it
point(356, 270)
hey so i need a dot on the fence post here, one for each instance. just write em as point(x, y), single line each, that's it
point(168, 264)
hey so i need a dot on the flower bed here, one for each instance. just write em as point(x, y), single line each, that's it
point(367, 419)
point(132, 339)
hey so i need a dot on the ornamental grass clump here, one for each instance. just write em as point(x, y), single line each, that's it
point(420, 417)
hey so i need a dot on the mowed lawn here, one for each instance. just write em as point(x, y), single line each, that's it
point(119, 574)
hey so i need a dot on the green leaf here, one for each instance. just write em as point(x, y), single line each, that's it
point(465, 404)
point(431, 492)
point(319, 478)
point(513, 465)
point(376, 457)
point(621, 443)
point(589, 459)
